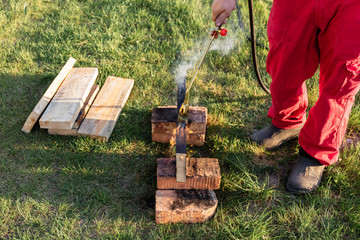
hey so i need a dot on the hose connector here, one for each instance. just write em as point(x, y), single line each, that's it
point(214, 32)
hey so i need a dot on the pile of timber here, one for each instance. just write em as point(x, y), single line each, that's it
point(192, 201)
point(74, 105)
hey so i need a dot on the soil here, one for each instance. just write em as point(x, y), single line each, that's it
point(351, 141)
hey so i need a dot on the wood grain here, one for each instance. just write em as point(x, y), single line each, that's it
point(105, 111)
point(186, 206)
point(164, 123)
point(74, 131)
point(201, 173)
point(68, 101)
point(48, 95)
point(191, 139)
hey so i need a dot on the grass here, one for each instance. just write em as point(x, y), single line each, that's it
point(78, 188)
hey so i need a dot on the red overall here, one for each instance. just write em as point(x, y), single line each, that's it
point(303, 34)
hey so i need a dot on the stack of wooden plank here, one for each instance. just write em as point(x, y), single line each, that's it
point(164, 123)
point(73, 105)
point(194, 200)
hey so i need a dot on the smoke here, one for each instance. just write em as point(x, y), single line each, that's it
point(187, 62)
point(191, 58)
point(224, 44)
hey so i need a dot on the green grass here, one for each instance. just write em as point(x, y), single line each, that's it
point(76, 188)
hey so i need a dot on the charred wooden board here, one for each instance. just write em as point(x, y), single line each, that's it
point(164, 124)
point(186, 206)
point(201, 173)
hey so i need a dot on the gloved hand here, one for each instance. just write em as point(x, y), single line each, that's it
point(221, 10)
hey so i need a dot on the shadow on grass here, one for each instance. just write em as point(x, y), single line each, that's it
point(91, 184)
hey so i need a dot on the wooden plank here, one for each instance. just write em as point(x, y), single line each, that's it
point(186, 206)
point(201, 173)
point(68, 101)
point(48, 95)
point(191, 139)
point(164, 123)
point(88, 102)
point(73, 132)
point(105, 111)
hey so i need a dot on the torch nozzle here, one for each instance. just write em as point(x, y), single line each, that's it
point(184, 109)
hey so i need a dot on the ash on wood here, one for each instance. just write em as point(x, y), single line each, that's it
point(201, 173)
point(186, 206)
point(164, 123)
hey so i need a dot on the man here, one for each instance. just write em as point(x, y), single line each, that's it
point(303, 34)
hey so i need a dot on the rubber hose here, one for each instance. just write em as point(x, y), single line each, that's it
point(253, 42)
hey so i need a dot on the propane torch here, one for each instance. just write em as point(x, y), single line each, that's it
point(184, 112)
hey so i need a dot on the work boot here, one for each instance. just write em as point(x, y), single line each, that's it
point(306, 174)
point(272, 137)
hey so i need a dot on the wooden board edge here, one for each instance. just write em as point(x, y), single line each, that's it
point(210, 177)
point(88, 102)
point(62, 132)
point(170, 209)
point(30, 122)
point(155, 118)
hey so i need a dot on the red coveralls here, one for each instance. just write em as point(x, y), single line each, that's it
point(303, 34)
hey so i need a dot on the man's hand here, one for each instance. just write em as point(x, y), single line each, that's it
point(221, 10)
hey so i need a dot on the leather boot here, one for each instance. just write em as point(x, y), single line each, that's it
point(272, 137)
point(306, 174)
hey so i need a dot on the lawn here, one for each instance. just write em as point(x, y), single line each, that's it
point(55, 187)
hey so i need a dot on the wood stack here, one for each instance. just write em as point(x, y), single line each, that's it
point(192, 201)
point(164, 123)
point(73, 105)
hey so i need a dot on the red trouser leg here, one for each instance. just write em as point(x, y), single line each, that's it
point(315, 31)
point(293, 57)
